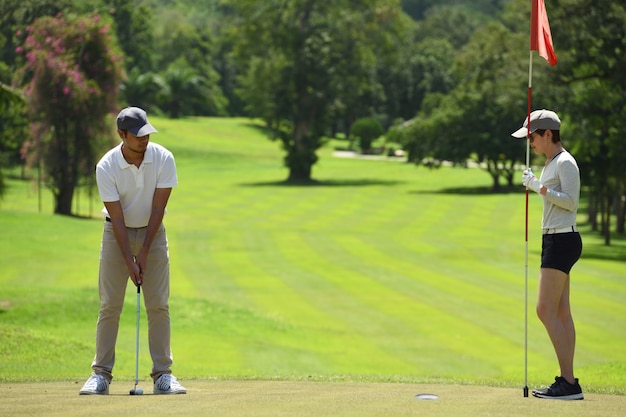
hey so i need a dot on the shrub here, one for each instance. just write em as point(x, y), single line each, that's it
point(366, 130)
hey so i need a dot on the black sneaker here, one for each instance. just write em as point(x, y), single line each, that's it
point(561, 390)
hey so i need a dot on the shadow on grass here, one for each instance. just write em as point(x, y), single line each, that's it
point(260, 128)
point(615, 252)
point(473, 190)
point(357, 182)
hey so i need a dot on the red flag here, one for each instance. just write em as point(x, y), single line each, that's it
point(540, 36)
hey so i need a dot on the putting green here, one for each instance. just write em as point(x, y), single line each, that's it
point(289, 398)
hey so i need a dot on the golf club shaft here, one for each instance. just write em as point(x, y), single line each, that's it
point(137, 336)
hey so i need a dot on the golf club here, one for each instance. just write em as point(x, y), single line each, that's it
point(135, 390)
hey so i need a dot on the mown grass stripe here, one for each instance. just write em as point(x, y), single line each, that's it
point(341, 344)
point(277, 299)
point(465, 303)
point(364, 321)
point(397, 305)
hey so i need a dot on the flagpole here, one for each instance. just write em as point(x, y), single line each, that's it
point(540, 41)
point(530, 93)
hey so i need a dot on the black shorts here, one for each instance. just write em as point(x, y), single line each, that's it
point(561, 251)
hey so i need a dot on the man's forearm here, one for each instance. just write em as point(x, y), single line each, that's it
point(121, 236)
point(156, 218)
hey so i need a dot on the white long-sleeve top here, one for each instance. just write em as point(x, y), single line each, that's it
point(562, 179)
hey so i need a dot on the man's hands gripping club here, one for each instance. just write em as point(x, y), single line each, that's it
point(530, 181)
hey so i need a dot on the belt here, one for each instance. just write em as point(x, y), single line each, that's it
point(108, 219)
point(554, 231)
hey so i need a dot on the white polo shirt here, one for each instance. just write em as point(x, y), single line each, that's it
point(134, 187)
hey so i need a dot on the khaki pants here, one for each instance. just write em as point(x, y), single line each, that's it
point(113, 279)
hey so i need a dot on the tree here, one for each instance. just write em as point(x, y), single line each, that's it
point(263, 90)
point(424, 60)
point(417, 9)
point(9, 99)
point(72, 76)
point(144, 89)
point(133, 27)
point(452, 23)
point(132, 24)
point(185, 89)
point(14, 15)
point(366, 130)
point(590, 38)
point(184, 55)
point(474, 121)
point(323, 53)
point(418, 69)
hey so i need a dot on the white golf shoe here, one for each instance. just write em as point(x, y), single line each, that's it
point(95, 385)
point(167, 384)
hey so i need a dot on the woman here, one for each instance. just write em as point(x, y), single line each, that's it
point(559, 185)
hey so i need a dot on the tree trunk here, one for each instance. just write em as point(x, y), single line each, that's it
point(620, 207)
point(300, 164)
point(63, 200)
point(299, 174)
point(606, 222)
point(496, 181)
point(65, 185)
point(592, 209)
point(63, 165)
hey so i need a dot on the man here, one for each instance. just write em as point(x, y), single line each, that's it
point(134, 180)
point(559, 186)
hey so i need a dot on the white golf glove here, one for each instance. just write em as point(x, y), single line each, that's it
point(529, 180)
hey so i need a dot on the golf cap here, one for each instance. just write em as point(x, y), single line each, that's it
point(135, 121)
point(539, 119)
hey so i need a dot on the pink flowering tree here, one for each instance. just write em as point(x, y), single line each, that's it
point(72, 75)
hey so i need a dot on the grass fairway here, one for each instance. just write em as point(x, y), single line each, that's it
point(380, 273)
point(303, 399)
